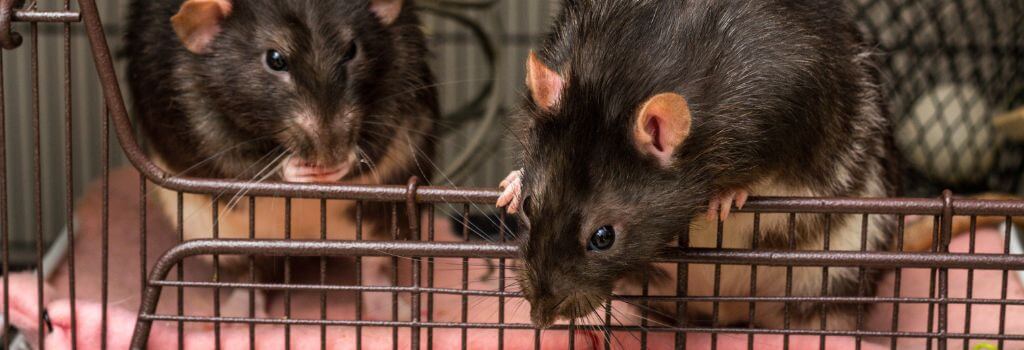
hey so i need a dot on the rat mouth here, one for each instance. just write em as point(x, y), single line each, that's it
point(295, 169)
point(575, 306)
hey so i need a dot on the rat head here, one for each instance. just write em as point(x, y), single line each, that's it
point(594, 188)
point(300, 86)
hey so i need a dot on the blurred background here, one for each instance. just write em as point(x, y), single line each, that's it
point(953, 76)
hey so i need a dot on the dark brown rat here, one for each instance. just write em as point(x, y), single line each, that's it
point(231, 89)
point(298, 91)
point(644, 115)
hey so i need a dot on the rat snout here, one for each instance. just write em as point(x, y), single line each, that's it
point(319, 153)
point(551, 302)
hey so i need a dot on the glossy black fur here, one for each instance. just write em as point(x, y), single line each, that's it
point(224, 115)
point(778, 88)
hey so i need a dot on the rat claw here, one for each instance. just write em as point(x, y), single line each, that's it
point(741, 198)
point(721, 205)
point(512, 191)
point(713, 208)
point(727, 200)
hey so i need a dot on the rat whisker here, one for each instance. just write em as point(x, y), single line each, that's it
point(451, 183)
point(272, 167)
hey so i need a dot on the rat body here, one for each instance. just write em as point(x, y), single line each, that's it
point(645, 115)
point(297, 91)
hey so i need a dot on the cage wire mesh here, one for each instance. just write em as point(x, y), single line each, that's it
point(949, 69)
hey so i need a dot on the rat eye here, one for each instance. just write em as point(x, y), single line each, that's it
point(353, 49)
point(603, 239)
point(276, 62)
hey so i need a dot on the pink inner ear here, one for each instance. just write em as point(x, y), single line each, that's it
point(653, 129)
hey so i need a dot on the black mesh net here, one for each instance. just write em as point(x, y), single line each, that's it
point(950, 70)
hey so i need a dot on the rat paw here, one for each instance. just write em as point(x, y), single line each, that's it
point(512, 190)
point(722, 204)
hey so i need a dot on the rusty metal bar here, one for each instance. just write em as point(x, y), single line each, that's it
point(945, 237)
point(37, 181)
point(69, 176)
point(629, 298)
point(47, 16)
point(413, 215)
point(294, 322)
point(4, 232)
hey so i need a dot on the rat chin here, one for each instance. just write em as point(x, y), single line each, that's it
point(573, 306)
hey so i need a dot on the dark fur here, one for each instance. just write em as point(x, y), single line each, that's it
point(191, 107)
point(777, 88)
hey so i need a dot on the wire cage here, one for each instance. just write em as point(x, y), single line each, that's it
point(127, 278)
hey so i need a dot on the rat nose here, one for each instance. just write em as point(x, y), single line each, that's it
point(318, 143)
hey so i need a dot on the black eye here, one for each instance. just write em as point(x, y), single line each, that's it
point(353, 49)
point(276, 61)
point(603, 239)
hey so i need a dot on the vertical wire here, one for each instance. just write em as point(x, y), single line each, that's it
point(323, 276)
point(359, 275)
point(901, 233)
point(754, 239)
point(682, 287)
point(970, 283)
point(37, 185)
point(465, 273)
point(862, 280)
point(252, 274)
point(4, 232)
point(430, 280)
point(105, 226)
point(826, 247)
point(287, 273)
point(717, 289)
point(1008, 224)
point(214, 216)
point(501, 282)
point(789, 280)
point(181, 270)
point(69, 175)
point(394, 277)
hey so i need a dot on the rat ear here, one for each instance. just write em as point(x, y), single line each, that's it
point(386, 10)
point(545, 84)
point(662, 124)
point(198, 22)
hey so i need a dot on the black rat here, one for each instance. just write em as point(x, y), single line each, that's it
point(297, 91)
point(644, 115)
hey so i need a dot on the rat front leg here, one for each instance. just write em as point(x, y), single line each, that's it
point(512, 192)
point(723, 202)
